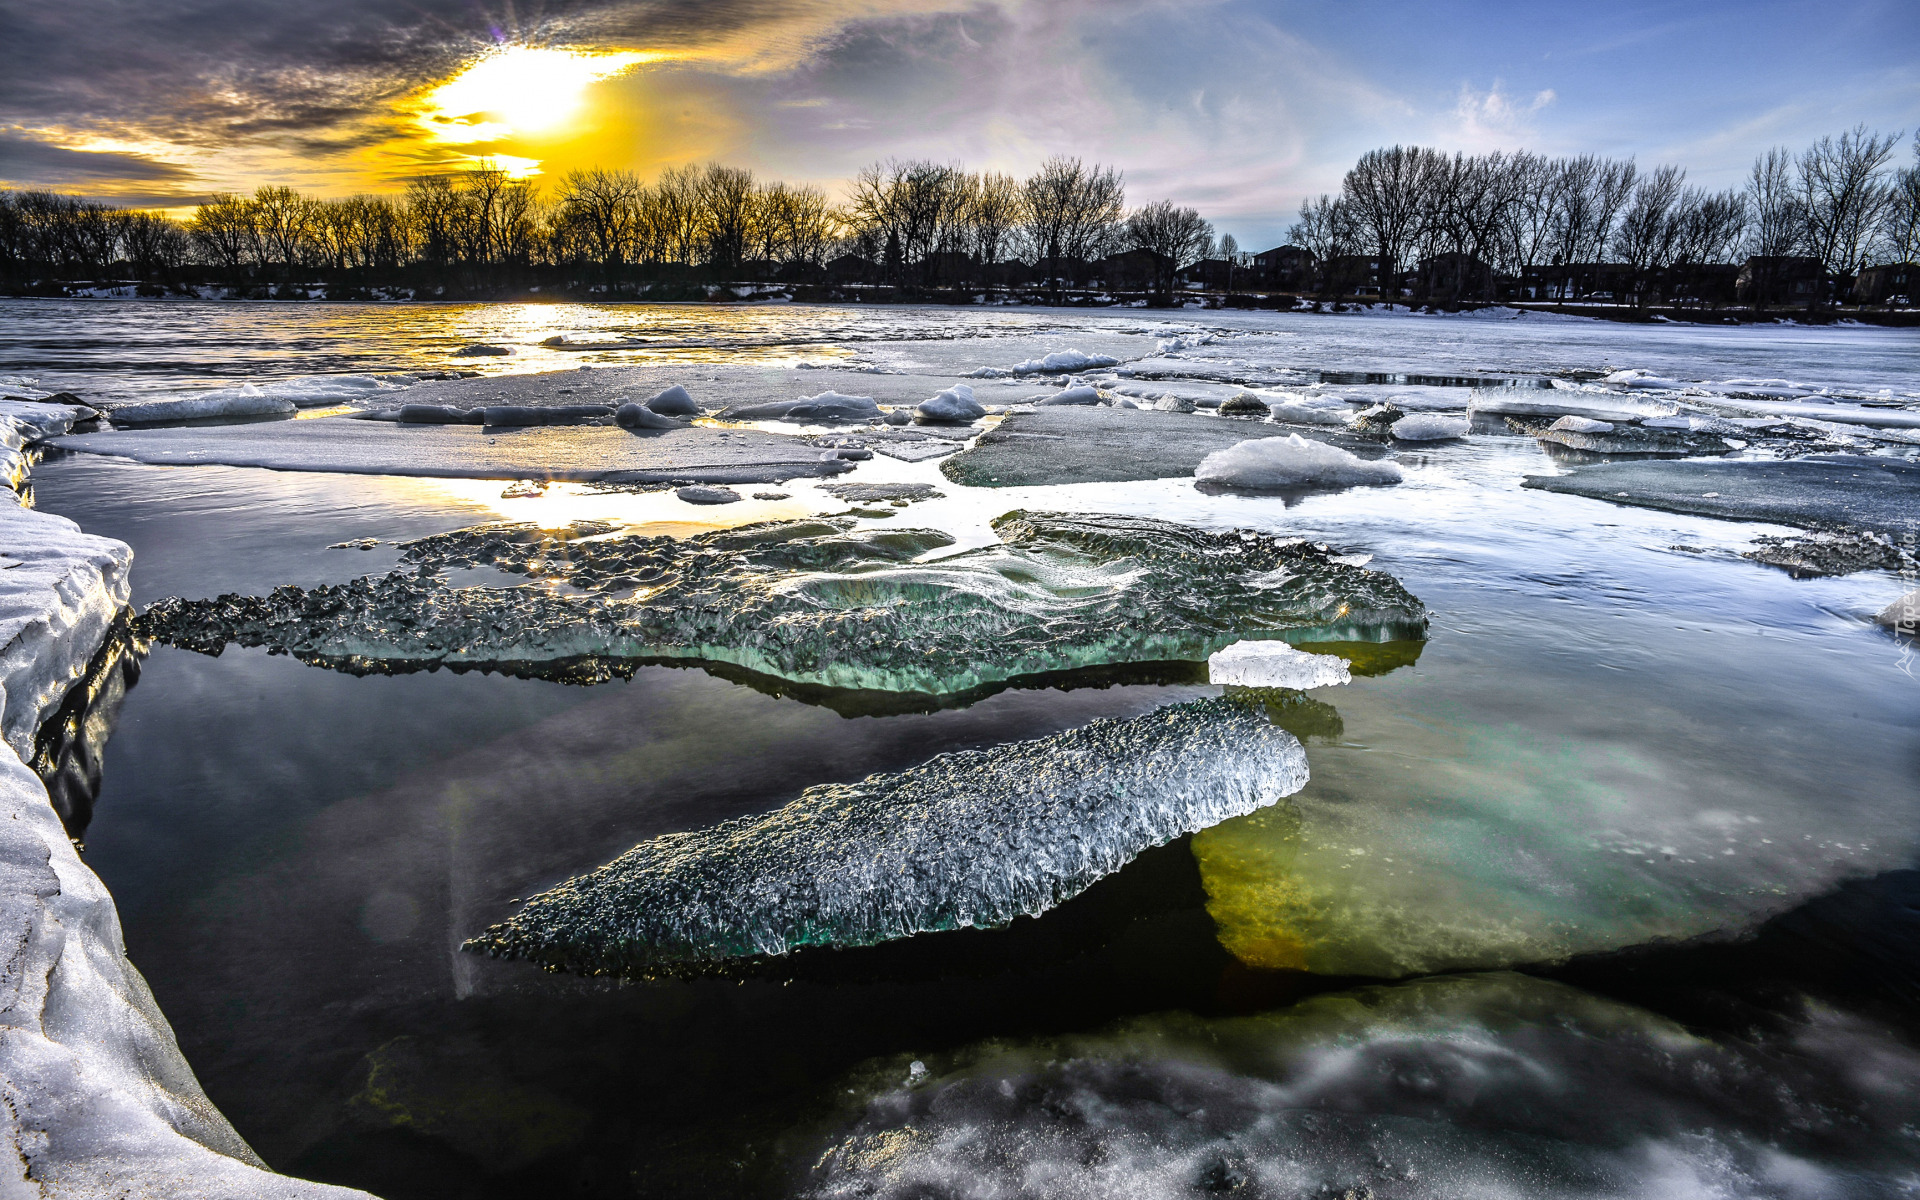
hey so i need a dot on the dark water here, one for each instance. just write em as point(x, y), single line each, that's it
point(1674, 779)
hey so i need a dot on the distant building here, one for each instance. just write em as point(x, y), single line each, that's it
point(1453, 276)
point(1285, 268)
point(1591, 281)
point(850, 268)
point(1782, 279)
point(1215, 275)
point(946, 268)
point(1136, 271)
point(1891, 284)
point(1352, 275)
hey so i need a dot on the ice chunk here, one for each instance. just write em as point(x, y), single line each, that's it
point(1173, 404)
point(1429, 427)
point(966, 840)
point(247, 400)
point(708, 495)
point(955, 406)
point(1083, 394)
point(1275, 464)
point(1481, 1086)
point(1589, 425)
point(1275, 665)
point(1537, 402)
point(822, 602)
point(517, 415)
point(482, 350)
point(827, 406)
point(675, 401)
point(1244, 404)
point(640, 416)
point(1059, 362)
point(1640, 380)
point(435, 414)
point(1903, 615)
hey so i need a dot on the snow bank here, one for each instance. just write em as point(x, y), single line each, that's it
point(1057, 363)
point(955, 406)
point(1272, 464)
point(1275, 665)
point(966, 840)
point(45, 420)
point(97, 1099)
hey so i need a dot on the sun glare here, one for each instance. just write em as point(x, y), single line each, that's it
point(517, 90)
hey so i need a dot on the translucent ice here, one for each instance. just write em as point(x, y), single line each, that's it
point(821, 602)
point(1430, 427)
point(972, 839)
point(1275, 665)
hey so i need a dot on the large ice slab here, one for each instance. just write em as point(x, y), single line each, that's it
point(1881, 494)
point(97, 1098)
point(821, 602)
point(1109, 445)
point(582, 454)
point(966, 840)
point(1478, 1086)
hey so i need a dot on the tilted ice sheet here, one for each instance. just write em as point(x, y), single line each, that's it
point(972, 839)
point(821, 602)
point(1477, 1086)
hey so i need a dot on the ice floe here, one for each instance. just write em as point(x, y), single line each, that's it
point(966, 840)
point(822, 602)
point(827, 406)
point(1283, 463)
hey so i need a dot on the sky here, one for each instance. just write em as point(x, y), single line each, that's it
point(1240, 108)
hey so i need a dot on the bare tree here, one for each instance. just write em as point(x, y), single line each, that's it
point(1647, 233)
point(1844, 189)
point(1900, 227)
point(995, 219)
point(1174, 235)
point(1779, 217)
point(1073, 212)
point(223, 226)
point(1384, 192)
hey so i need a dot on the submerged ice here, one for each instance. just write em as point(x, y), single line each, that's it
point(1485, 1086)
point(823, 602)
point(970, 839)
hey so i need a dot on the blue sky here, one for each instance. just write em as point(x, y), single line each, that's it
point(1240, 107)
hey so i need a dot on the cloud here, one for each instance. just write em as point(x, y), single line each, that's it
point(1492, 119)
point(28, 160)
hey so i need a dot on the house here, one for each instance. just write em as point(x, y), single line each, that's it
point(947, 268)
point(1284, 268)
point(1454, 276)
point(1215, 275)
point(1890, 284)
point(1136, 271)
point(850, 268)
point(1352, 275)
point(1782, 279)
point(1604, 281)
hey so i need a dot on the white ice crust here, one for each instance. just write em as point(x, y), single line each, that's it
point(95, 1097)
point(1267, 664)
point(1291, 462)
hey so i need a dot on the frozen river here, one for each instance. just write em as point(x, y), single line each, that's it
point(1605, 886)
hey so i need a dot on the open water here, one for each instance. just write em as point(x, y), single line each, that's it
point(1612, 887)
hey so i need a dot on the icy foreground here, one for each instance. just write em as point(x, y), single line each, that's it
point(1486, 1085)
point(98, 1100)
point(819, 601)
point(972, 839)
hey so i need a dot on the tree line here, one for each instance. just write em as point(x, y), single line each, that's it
point(920, 224)
point(1403, 213)
point(1841, 202)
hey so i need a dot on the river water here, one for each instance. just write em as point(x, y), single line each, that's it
point(1610, 887)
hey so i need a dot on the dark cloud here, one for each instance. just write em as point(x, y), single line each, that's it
point(27, 160)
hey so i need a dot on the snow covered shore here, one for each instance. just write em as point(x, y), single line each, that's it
point(98, 1100)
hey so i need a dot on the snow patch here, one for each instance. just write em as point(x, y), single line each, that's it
point(1280, 463)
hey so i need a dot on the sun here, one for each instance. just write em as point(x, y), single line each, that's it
point(517, 90)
